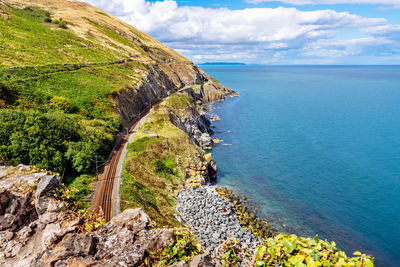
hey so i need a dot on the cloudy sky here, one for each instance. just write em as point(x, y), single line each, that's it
point(270, 32)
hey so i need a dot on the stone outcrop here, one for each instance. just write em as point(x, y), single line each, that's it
point(33, 236)
point(46, 184)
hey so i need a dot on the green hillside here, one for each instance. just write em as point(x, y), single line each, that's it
point(58, 78)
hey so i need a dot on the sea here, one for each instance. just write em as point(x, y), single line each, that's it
point(316, 151)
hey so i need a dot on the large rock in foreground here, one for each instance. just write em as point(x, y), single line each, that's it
point(35, 232)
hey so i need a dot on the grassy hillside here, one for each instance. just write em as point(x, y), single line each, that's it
point(154, 169)
point(61, 62)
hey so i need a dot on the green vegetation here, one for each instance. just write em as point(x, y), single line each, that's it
point(183, 248)
point(178, 101)
point(64, 143)
point(34, 13)
point(154, 170)
point(61, 23)
point(290, 250)
point(165, 167)
point(76, 207)
point(142, 144)
point(230, 252)
point(55, 108)
point(84, 185)
point(117, 38)
point(26, 40)
point(61, 104)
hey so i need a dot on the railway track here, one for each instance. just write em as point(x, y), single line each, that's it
point(103, 200)
point(104, 197)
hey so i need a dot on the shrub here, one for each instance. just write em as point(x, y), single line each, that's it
point(34, 13)
point(54, 141)
point(62, 24)
point(230, 253)
point(178, 101)
point(290, 250)
point(61, 103)
point(76, 208)
point(183, 248)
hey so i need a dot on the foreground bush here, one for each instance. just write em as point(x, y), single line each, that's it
point(290, 250)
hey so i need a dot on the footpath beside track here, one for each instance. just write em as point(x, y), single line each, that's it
point(105, 189)
point(104, 192)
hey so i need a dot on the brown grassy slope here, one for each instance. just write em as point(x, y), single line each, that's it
point(77, 14)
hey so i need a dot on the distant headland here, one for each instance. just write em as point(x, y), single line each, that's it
point(223, 63)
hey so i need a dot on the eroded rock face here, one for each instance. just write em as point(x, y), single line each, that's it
point(34, 231)
point(24, 233)
point(46, 184)
point(132, 219)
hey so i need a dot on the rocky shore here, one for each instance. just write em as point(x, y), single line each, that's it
point(212, 218)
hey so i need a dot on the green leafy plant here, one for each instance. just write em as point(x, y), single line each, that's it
point(231, 253)
point(62, 24)
point(70, 197)
point(76, 208)
point(290, 250)
point(183, 248)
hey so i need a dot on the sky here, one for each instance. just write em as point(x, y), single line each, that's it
point(285, 32)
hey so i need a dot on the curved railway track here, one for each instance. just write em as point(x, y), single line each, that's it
point(103, 200)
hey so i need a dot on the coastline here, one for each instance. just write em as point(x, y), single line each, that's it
point(202, 210)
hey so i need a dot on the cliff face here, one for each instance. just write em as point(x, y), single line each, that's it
point(132, 100)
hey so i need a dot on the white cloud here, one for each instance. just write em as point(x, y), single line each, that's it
point(253, 35)
point(388, 30)
point(170, 23)
point(341, 48)
point(328, 2)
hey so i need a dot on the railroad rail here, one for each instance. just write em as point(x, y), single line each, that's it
point(104, 197)
point(103, 200)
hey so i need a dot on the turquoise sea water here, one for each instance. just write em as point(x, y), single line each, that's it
point(317, 149)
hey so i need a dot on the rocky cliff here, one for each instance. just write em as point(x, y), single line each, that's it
point(37, 230)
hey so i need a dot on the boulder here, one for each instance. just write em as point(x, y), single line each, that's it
point(47, 183)
point(158, 240)
point(133, 219)
point(73, 245)
point(202, 260)
point(179, 264)
point(205, 140)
